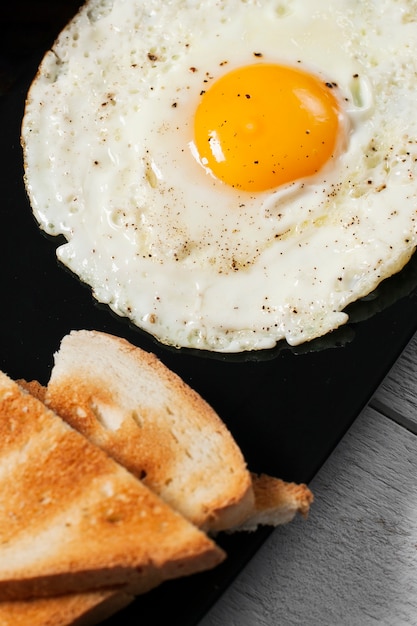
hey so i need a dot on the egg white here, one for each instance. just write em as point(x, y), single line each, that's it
point(110, 164)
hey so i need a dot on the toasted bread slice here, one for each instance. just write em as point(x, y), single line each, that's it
point(78, 609)
point(144, 416)
point(276, 502)
point(72, 519)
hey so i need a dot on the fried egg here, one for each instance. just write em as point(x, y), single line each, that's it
point(228, 174)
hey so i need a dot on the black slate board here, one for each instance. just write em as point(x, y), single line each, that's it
point(287, 407)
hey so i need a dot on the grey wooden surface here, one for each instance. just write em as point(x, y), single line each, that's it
point(354, 561)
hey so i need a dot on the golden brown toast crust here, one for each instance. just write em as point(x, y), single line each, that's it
point(78, 609)
point(34, 387)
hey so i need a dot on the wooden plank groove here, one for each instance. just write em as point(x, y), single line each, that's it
point(393, 414)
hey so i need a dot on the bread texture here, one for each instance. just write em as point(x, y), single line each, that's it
point(276, 502)
point(78, 609)
point(72, 519)
point(142, 414)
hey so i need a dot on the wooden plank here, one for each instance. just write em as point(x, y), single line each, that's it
point(354, 561)
point(397, 395)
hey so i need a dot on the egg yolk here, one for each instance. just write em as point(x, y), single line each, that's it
point(264, 125)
